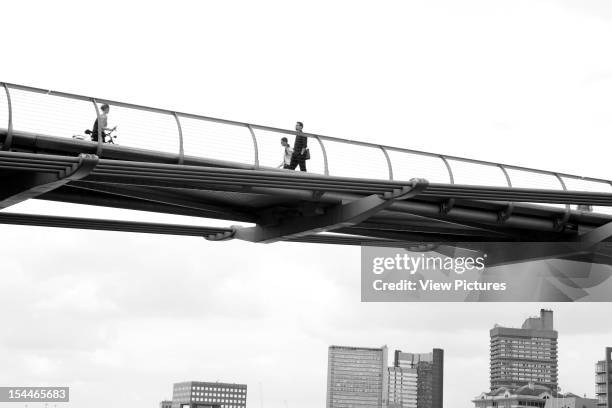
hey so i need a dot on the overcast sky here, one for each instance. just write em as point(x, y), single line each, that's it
point(120, 317)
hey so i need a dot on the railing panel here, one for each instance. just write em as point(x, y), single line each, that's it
point(577, 184)
point(51, 115)
point(218, 141)
point(527, 179)
point(535, 180)
point(143, 129)
point(410, 165)
point(477, 174)
point(348, 160)
point(271, 151)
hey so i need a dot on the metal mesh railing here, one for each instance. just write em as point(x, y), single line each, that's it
point(203, 138)
point(64, 115)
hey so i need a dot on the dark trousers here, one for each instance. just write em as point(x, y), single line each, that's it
point(295, 160)
point(94, 136)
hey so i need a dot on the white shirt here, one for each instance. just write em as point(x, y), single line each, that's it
point(288, 152)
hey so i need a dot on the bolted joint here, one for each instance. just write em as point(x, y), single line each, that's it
point(506, 213)
point(224, 236)
point(414, 187)
point(447, 205)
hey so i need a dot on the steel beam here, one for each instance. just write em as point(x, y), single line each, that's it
point(168, 229)
point(106, 225)
point(335, 217)
point(597, 235)
point(26, 185)
point(71, 195)
point(164, 197)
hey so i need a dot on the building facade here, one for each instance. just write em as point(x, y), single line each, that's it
point(194, 394)
point(530, 395)
point(603, 380)
point(526, 355)
point(571, 401)
point(357, 377)
point(429, 369)
point(402, 389)
point(165, 404)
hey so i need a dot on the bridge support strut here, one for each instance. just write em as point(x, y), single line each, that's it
point(336, 217)
point(26, 185)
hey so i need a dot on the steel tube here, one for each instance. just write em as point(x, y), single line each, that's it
point(449, 169)
point(256, 159)
point(8, 141)
point(325, 162)
point(100, 130)
point(388, 159)
point(180, 134)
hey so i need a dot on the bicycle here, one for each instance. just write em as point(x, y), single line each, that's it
point(105, 134)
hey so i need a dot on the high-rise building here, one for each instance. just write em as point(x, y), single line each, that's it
point(402, 388)
point(194, 394)
point(356, 377)
point(603, 380)
point(429, 370)
point(526, 355)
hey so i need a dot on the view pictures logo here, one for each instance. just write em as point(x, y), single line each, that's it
point(414, 263)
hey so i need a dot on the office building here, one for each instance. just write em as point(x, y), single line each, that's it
point(193, 394)
point(603, 380)
point(402, 387)
point(356, 377)
point(429, 370)
point(526, 355)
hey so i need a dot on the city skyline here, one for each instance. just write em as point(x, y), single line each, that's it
point(394, 363)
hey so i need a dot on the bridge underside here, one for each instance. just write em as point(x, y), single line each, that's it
point(282, 205)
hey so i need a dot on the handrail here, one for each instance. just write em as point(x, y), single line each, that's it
point(389, 164)
point(561, 222)
point(100, 128)
point(255, 147)
point(319, 137)
point(449, 169)
point(180, 134)
point(325, 162)
point(9, 136)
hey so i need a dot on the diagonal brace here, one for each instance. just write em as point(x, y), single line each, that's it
point(597, 235)
point(28, 185)
point(338, 216)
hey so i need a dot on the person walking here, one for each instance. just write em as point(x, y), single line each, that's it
point(300, 149)
point(287, 153)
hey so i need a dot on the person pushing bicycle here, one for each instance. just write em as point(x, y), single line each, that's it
point(104, 109)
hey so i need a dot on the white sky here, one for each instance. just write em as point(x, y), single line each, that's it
point(522, 82)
